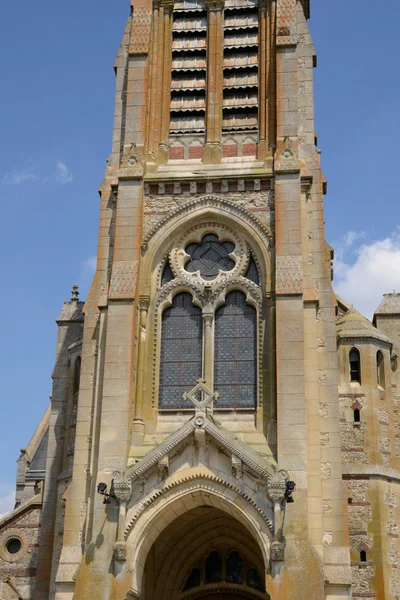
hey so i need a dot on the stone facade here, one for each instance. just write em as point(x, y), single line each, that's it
point(221, 424)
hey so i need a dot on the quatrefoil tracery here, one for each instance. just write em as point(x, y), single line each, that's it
point(209, 254)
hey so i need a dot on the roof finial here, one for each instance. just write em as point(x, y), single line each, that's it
point(75, 294)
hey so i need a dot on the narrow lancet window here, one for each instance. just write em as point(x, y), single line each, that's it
point(380, 369)
point(77, 375)
point(235, 369)
point(355, 365)
point(181, 351)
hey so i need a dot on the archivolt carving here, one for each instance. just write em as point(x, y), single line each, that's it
point(201, 482)
point(212, 202)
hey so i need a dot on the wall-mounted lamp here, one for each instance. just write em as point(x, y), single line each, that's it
point(290, 487)
point(102, 490)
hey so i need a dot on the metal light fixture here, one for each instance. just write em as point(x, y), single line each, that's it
point(290, 487)
point(102, 490)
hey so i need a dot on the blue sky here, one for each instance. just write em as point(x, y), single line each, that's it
point(56, 126)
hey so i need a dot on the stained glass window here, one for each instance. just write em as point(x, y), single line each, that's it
point(254, 580)
point(234, 568)
point(235, 359)
point(181, 351)
point(355, 365)
point(193, 580)
point(252, 272)
point(167, 274)
point(213, 568)
point(210, 257)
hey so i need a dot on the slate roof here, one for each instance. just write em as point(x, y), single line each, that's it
point(390, 305)
point(354, 325)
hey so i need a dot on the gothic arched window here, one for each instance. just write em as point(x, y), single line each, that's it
point(181, 350)
point(355, 365)
point(380, 369)
point(235, 367)
point(213, 568)
point(234, 568)
point(211, 330)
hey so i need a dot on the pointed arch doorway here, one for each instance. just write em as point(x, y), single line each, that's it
point(205, 553)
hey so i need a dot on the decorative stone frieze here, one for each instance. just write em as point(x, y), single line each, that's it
point(286, 23)
point(140, 31)
point(123, 280)
point(211, 202)
point(289, 275)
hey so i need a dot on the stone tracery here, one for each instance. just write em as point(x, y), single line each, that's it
point(210, 262)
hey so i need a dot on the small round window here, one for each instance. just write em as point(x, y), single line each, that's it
point(209, 257)
point(13, 546)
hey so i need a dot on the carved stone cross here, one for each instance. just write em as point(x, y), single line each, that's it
point(207, 396)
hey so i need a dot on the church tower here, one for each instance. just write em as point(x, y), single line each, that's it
point(209, 342)
point(199, 410)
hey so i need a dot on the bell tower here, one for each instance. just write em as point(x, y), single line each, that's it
point(209, 365)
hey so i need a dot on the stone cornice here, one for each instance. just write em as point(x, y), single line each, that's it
point(370, 471)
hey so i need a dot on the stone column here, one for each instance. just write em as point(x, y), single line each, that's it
point(151, 124)
point(271, 91)
point(208, 349)
point(212, 148)
point(138, 423)
point(264, 75)
point(166, 81)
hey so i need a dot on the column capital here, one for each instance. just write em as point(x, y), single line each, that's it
point(215, 5)
point(167, 5)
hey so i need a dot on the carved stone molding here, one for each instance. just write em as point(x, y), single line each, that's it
point(198, 481)
point(277, 551)
point(277, 486)
point(287, 156)
point(120, 551)
point(122, 491)
point(211, 202)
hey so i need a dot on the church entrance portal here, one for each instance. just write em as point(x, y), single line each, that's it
point(205, 553)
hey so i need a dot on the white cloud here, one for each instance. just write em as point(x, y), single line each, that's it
point(374, 270)
point(7, 502)
point(90, 264)
point(63, 174)
point(15, 177)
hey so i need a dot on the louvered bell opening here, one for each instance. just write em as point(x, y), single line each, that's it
point(186, 122)
point(196, 21)
point(189, 40)
point(188, 61)
point(242, 98)
point(240, 78)
point(188, 100)
point(189, 67)
point(240, 84)
point(241, 17)
point(240, 59)
point(188, 80)
point(232, 4)
point(188, 5)
point(240, 119)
